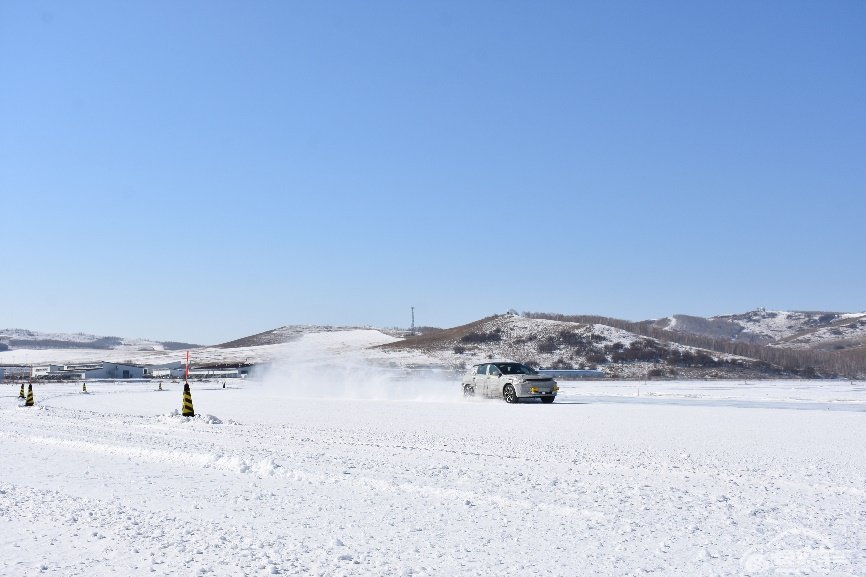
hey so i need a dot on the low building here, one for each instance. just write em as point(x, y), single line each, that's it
point(118, 371)
point(45, 371)
point(207, 373)
point(573, 373)
point(16, 372)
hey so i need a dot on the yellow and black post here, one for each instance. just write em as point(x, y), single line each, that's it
point(187, 401)
point(21, 392)
point(160, 386)
point(29, 401)
point(84, 387)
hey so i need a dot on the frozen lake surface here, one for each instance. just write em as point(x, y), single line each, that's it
point(407, 478)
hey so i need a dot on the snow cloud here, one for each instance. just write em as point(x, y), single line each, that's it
point(307, 370)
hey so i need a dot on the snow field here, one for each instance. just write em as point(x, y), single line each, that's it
point(275, 479)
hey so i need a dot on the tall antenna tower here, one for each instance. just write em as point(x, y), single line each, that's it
point(413, 321)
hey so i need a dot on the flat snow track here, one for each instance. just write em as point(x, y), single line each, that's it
point(112, 483)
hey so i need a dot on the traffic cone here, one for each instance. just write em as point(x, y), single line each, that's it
point(29, 401)
point(21, 393)
point(84, 388)
point(187, 401)
point(160, 387)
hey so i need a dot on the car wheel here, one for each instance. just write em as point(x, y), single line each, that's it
point(509, 394)
point(468, 391)
point(547, 400)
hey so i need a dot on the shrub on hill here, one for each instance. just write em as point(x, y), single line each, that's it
point(547, 345)
point(571, 338)
point(494, 336)
point(596, 357)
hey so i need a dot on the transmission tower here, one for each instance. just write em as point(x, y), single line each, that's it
point(413, 321)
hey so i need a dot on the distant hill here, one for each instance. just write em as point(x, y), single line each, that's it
point(566, 344)
point(291, 333)
point(12, 339)
point(754, 344)
point(802, 343)
point(787, 329)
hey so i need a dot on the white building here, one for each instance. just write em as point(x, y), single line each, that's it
point(43, 371)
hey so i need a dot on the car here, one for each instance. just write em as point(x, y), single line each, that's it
point(508, 380)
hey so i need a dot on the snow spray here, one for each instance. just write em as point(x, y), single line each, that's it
point(310, 371)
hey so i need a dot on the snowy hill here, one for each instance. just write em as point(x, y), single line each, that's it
point(570, 345)
point(286, 334)
point(827, 331)
point(779, 325)
point(24, 339)
point(847, 332)
point(306, 343)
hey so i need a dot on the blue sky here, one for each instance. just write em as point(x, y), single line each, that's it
point(205, 170)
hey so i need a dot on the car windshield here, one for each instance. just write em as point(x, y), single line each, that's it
point(514, 369)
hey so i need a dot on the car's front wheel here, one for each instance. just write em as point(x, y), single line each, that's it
point(509, 394)
point(468, 391)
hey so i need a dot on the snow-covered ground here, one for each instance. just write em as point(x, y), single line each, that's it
point(348, 471)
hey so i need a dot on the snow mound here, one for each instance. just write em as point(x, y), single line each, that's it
point(175, 417)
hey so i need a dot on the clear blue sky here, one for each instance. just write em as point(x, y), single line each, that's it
point(205, 170)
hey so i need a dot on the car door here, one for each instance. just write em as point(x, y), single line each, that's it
point(492, 381)
point(480, 380)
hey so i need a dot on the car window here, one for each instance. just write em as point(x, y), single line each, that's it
point(515, 369)
point(493, 371)
point(482, 369)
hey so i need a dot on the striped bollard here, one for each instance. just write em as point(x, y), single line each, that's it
point(187, 401)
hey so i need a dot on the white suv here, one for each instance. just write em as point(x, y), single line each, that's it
point(508, 380)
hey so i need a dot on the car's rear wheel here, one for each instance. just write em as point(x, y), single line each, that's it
point(547, 400)
point(509, 394)
point(468, 391)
